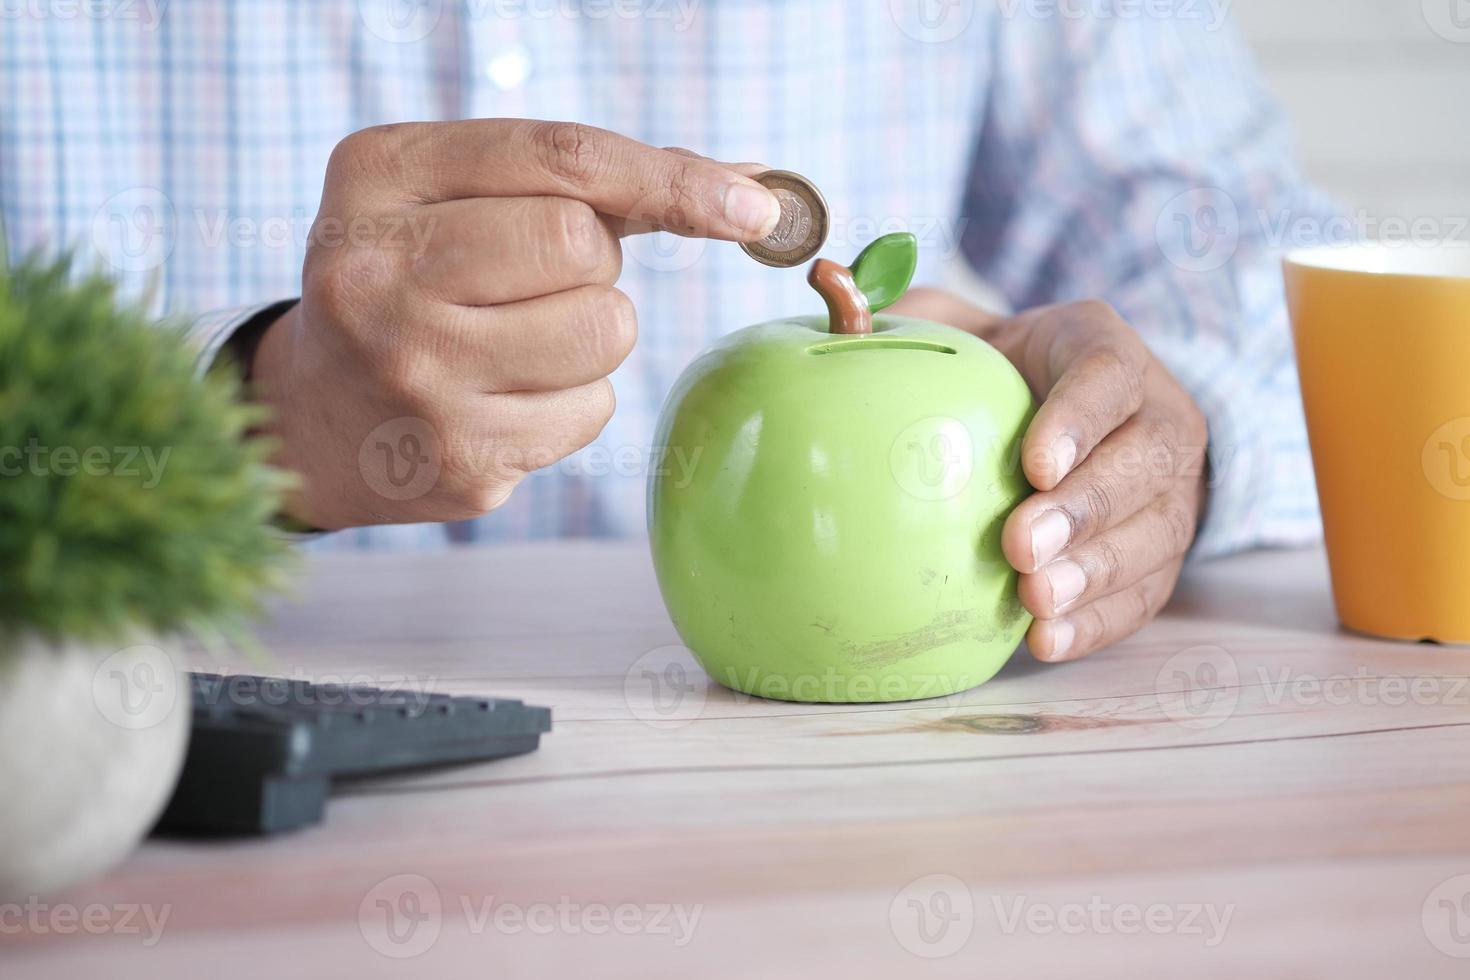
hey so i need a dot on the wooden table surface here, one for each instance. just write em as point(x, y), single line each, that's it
point(1240, 790)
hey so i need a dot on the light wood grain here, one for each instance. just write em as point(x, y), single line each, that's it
point(1319, 819)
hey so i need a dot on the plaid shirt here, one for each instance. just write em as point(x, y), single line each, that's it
point(1130, 154)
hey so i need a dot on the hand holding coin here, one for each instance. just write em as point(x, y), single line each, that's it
point(491, 340)
point(804, 223)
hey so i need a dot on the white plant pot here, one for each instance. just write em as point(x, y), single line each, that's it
point(91, 742)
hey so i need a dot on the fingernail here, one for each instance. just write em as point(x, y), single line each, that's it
point(1066, 581)
point(1064, 455)
point(1063, 635)
point(752, 208)
point(1049, 535)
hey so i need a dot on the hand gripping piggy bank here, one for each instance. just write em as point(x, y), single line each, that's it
point(837, 537)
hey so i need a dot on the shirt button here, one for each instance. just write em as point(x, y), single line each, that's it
point(509, 67)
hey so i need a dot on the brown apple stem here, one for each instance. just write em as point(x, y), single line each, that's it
point(847, 307)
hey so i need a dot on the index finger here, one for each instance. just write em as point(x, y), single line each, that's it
point(620, 177)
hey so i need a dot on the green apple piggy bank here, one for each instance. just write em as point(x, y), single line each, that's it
point(832, 530)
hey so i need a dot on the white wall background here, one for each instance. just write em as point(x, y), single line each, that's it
point(1380, 93)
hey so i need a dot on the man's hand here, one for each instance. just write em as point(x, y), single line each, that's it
point(458, 317)
point(1116, 452)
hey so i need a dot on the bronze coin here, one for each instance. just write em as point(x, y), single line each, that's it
point(803, 226)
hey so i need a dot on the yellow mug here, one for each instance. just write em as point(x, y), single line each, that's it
point(1383, 348)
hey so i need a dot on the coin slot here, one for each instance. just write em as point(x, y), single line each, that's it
point(878, 343)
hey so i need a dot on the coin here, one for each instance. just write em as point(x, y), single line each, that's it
point(803, 225)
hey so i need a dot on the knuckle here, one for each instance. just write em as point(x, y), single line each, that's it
point(572, 152)
point(408, 382)
point(1179, 524)
point(1109, 564)
point(1139, 605)
point(1162, 451)
point(1099, 502)
point(1093, 624)
point(1089, 324)
point(575, 225)
point(1096, 309)
point(333, 288)
point(491, 496)
point(369, 153)
point(555, 429)
point(684, 198)
point(460, 477)
point(581, 237)
point(348, 151)
point(594, 410)
point(475, 478)
point(1117, 365)
point(603, 402)
point(523, 456)
point(621, 330)
point(1097, 321)
point(408, 376)
point(1159, 431)
point(477, 493)
point(611, 330)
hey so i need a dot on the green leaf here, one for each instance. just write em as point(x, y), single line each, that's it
point(885, 268)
